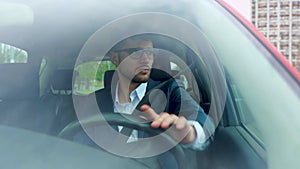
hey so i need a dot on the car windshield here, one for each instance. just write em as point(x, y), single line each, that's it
point(76, 76)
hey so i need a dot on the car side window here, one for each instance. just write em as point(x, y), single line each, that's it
point(11, 54)
point(91, 76)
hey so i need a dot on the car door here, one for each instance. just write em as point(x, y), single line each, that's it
point(238, 142)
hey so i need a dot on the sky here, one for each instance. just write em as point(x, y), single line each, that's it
point(242, 6)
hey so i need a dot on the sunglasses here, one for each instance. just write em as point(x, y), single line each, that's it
point(137, 53)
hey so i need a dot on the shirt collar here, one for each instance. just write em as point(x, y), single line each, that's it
point(140, 92)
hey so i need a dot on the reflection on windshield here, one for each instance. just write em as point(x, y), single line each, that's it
point(15, 14)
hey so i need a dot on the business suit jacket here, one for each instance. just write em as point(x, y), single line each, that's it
point(163, 96)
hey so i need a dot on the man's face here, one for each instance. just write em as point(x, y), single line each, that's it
point(134, 60)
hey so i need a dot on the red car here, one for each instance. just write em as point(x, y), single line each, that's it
point(54, 52)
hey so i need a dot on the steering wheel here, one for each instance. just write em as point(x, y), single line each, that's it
point(128, 121)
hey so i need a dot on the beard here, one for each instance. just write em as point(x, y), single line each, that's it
point(141, 78)
point(138, 78)
point(135, 76)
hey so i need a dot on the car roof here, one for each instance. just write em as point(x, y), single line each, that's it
point(47, 28)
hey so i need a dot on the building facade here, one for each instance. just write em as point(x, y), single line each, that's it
point(279, 21)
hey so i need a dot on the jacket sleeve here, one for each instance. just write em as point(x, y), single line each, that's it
point(182, 104)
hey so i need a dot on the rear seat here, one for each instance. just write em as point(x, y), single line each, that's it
point(21, 105)
point(61, 94)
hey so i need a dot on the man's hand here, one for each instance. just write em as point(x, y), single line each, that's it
point(180, 130)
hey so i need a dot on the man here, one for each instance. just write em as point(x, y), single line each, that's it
point(134, 59)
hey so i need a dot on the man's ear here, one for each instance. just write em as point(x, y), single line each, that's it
point(114, 58)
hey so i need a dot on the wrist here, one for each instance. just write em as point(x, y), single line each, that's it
point(191, 136)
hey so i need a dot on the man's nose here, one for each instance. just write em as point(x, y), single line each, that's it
point(144, 57)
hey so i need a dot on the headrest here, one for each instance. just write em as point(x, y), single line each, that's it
point(108, 75)
point(62, 79)
point(19, 81)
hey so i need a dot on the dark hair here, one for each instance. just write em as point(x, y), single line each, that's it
point(142, 37)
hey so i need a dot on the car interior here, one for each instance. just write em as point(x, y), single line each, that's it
point(46, 105)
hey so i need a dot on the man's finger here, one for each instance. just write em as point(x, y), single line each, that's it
point(150, 113)
point(181, 123)
point(170, 120)
point(160, 119)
